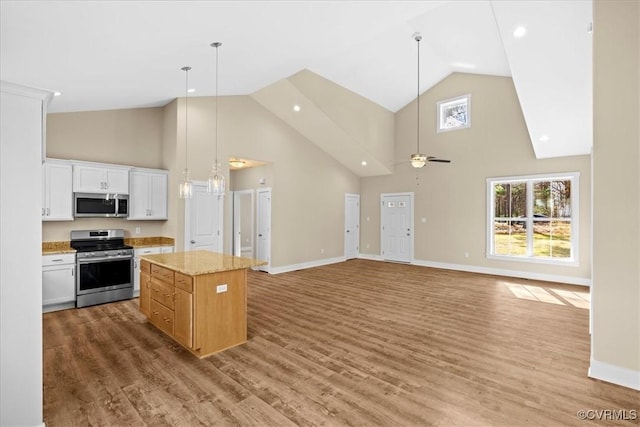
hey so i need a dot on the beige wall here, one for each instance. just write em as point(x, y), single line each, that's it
point(452, 197)
point(308, 186)
point(129, 137)
point(616, 190)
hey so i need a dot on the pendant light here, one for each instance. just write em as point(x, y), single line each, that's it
point(215, 183)
point(186, 189)
point(418, 160)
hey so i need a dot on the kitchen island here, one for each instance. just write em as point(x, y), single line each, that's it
point(198, 298)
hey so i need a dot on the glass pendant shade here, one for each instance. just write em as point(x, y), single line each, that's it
point(215, 183)
point(186, 188)
point(418, 160)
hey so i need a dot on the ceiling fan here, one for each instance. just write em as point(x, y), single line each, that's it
point(418, 160)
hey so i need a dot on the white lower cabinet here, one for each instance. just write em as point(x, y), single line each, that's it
point(137, 253)
point(58, 282)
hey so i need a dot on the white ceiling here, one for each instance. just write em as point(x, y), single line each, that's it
point(128, 54)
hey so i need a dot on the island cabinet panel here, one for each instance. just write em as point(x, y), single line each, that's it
point(145, 287)
point(205, 311)
point(221, 316)
point(183, 320)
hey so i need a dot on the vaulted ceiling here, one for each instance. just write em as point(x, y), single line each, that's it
point(113, 54)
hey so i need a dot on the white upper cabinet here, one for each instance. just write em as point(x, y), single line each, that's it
point(148, 194)
point(100, 179)
point(57, 194)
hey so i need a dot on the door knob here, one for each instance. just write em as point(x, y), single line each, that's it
point(193, 241)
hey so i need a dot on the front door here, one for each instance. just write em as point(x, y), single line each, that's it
point(203, 220)
point(397, 226)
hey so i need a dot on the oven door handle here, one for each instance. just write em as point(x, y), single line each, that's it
point(107, 258)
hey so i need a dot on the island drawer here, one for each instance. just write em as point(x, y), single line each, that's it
point(184, 282)
point(162, 317)
point(162, 273)
point(162, 292)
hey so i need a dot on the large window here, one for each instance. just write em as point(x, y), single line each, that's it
point(533, 218)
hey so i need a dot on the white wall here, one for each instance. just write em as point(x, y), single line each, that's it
point(20, 256)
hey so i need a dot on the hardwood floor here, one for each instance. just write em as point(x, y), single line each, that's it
point(360, 343)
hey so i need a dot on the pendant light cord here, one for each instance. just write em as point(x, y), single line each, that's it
point(216, 45)
point(186, 118)
point(418, 38)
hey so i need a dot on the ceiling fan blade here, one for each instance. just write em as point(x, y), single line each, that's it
point(437, 160)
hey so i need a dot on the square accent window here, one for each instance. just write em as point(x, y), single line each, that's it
point(454, 113)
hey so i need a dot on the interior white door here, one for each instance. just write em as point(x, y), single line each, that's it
point(243, 214)
point(263, 240)
point(203, 220)
point(397, 227)
point(352, 226)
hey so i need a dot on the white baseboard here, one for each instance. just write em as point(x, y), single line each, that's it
point(303, 265)
point(614, 374)
point(493, 271)
point(446, 266)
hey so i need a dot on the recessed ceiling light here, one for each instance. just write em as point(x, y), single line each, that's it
point(544, 138)
point(364, 163)
point(464, 65)
point(57, 93)
point(519, 32)
point(191, 90)
point(296, 108)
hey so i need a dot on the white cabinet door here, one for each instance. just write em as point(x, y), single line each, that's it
point(88, 179)
point(139, 195)
point(98, 179)
point(158, 195)
point(148, 195)
point(117, 181)
point(58, 280)
point(57, 192)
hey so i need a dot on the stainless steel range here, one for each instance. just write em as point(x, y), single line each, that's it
point(104, 266)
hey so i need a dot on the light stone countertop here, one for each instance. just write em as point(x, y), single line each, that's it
point(52, 248)
point(64, 247)
point(195, 263)
point(147, 242)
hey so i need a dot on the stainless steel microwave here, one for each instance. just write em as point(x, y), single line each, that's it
point(100, 205)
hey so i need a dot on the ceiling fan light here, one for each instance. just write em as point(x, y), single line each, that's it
point(418, 160)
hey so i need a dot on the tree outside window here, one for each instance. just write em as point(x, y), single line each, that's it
point(533, 217)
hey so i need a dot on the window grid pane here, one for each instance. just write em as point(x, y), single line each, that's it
point(548, 212)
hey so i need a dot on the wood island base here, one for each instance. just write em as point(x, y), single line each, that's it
point(205, 311)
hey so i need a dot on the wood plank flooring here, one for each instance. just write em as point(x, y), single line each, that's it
point(359, 343)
